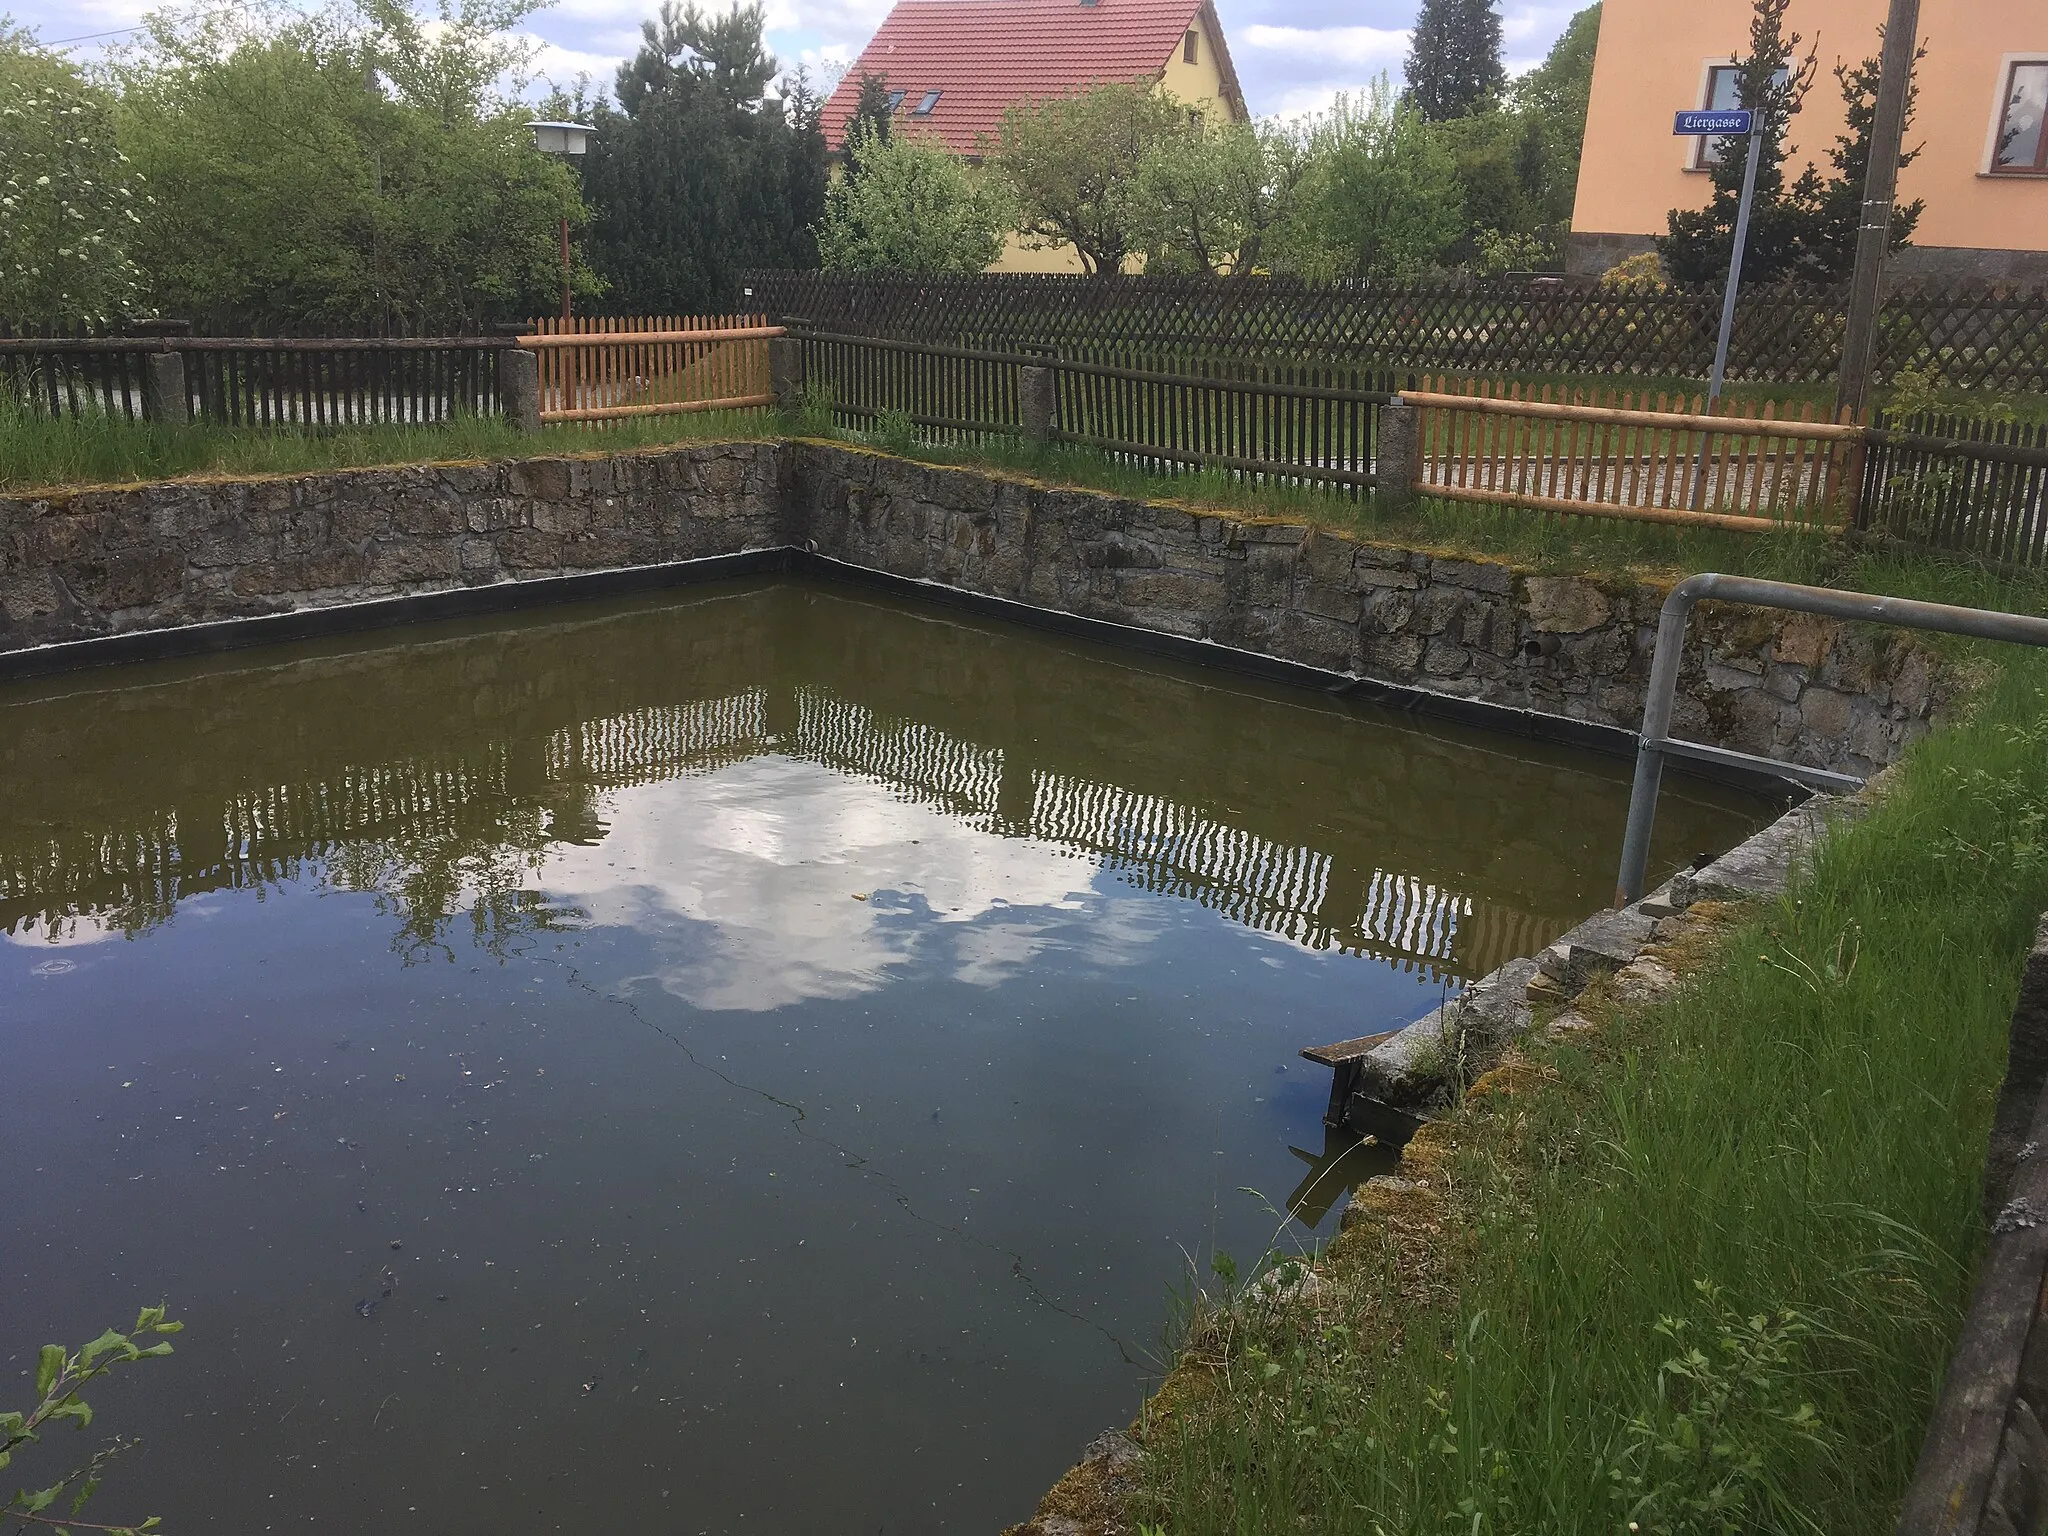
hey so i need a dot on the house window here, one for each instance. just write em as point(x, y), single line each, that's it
point(2021, 145)
point(895, 100)
point(1191, 47)
point(924, 107)
point(1723, 94)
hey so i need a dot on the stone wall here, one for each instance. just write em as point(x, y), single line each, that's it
point(1779, 685)
point(105, 562)
point(90, 563)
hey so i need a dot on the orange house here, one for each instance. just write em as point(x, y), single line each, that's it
point(1979, 118)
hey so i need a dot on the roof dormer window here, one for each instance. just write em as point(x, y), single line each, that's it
point(895, 100)
point(924, 107)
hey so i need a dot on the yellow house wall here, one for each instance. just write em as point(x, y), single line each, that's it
point(1199, 84)
point(1652, 61)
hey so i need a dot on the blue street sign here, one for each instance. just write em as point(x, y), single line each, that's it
point(1694, 124)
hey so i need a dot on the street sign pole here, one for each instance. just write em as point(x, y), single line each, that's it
point(1754, 143)
point(1749, 124)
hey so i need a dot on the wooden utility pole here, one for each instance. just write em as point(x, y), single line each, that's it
point(1880, 193)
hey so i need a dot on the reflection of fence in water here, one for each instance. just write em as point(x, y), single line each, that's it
point(659, 741)
point(134, 875)
point(1166, 846)
point(921, 760)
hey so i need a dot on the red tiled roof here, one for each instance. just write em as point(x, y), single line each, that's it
point(983, 55)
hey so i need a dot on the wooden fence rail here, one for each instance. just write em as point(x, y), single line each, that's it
point(607, 368)
point(1674, 463)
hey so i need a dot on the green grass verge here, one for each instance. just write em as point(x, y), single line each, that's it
point(38, 452)
point(1700, 1269)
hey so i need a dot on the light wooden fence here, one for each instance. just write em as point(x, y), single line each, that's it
point(607, 367)
point(1619, 454)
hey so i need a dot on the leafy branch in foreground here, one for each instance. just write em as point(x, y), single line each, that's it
point(61, 1376)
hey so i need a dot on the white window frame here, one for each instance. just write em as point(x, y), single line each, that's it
point(1985, 167)
point(1696, 160)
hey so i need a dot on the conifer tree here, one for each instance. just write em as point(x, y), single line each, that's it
point(1454, 57)
point(871, 118)
point(1772, 81)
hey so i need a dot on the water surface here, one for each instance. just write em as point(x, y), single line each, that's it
point(748, 1060)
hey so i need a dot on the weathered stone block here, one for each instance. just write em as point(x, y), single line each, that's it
point(1328, 602)
point(1442, 659)
point(1803, 639)
point(1185, 590)
point(1476, 575)
point(395, 564)
point(1395, 656)
point(1434, 610)
point(1825, 712)
point(1564, 605)
point(1379, 576)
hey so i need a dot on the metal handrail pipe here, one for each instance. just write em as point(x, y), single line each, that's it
point(1656, 742)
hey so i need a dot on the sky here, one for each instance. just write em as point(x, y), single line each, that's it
point(1291, 55)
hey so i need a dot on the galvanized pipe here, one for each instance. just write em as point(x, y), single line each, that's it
point(1655, 742)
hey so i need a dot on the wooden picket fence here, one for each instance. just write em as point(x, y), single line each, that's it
point(1632, 455)
point(609, 367)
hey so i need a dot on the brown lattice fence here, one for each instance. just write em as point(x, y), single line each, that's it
point(1977, 336)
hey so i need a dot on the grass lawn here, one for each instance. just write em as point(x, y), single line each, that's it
point(1696, 1270)
point(38, 452)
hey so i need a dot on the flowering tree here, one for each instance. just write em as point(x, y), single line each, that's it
point(69, 201)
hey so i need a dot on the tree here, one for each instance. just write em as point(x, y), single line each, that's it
point(1380, 197)
point(1772, 81)
point(1553, 98)
point(70, 203)
point(1210, 196)
point(870, 116)
point(910, 205)
point(1831, 207)
point(1070, 165)
point(1454, 57)
point(702, 174)
point(723, 52)
point(1498, 155)
point(353, 169)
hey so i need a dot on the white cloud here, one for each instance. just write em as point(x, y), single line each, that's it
point(556, 65)
point(1370, 46)
point(763, 862)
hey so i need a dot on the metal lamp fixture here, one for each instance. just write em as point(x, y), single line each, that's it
point(561, 138)
point(567, 140)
